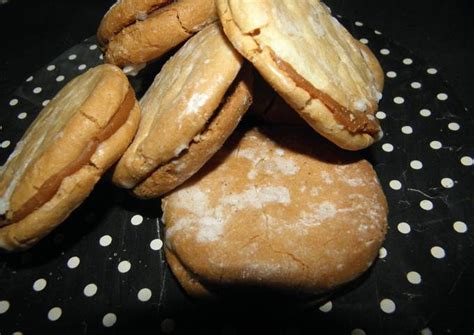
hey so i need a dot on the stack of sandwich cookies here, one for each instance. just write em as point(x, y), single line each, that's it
point(276, 208)
point(135, 32)
point(309, 58)
point(194, 104)
point(74, 140)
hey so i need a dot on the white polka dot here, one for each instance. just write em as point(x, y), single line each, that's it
point(105, 240)
point(37, 90)
point(144, 294)
point(39, 284)
point(124, 266)
point(416, 165)
point(5, 144)
point(60, 78)
point(90, 290)
point(13, 102)
point(82, 67)
point(156, 244)
point(101, 56)
point(327, 307)
point(432, 70)
point(377, 32)
point(30, 78)
point(55, 313)
point(407, 130)
point(387, 147)
point(426, 331)
point(93, 47)
point(426, 205)
point(380, 115)
point(447, 182)
point(384, 52)
point(460, 227)
point(364, 40)
point(454, 126)
point(395, 185)
point(387, 306)
point(442, 96)
point(415, 85)
point(414, 277)
point(109, 319)
point(51, 67)
point(73, 262)
point(136, 220)
point(45, 103)
point(4, 306)
point(407, 61)
point(391, 74)
point(404, 228)
point(398, 100)
point(167, 326)
point(438, 252)
point(436, 145)
point(358, 331)
point(466, 161)
point(358, 24)
point(425, 112)
point(382, 252)
point(72, 57)
point(22, 115)
point(17, 333)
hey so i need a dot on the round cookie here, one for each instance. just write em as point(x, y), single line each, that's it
point(276, 208)
point(135, 32)
point(332, 80)
point(83, 130)
point(193, 105)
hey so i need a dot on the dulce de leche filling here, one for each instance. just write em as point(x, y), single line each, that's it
point(352, 122)
point(52, 184)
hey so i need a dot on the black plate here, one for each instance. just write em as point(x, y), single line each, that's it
point(103, 270)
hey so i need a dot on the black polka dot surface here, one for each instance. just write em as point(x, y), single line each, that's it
point(104, 271)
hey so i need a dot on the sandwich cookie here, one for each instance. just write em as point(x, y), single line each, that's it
point(193, 105)
point(332, 80)
point(83, 130)
point(275, 209)
point(135, 32)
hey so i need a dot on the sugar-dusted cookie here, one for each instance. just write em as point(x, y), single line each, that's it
point(83, 130)
point(332, 80)
point(135, 32)
point(277, 208)
point(193, 105)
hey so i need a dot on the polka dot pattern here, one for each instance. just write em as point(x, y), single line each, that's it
point(109, 261)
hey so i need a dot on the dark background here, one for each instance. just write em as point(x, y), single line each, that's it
point(441, 32)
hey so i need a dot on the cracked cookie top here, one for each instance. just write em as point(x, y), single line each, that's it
point(278, 207)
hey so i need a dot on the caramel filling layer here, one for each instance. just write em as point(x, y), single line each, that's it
point(52, 184)
point(353, 122)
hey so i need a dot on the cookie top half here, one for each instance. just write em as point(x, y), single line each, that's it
point(313, 62)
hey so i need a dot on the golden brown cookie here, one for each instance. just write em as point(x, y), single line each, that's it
point(73, 141)
point(277, 208)
point(191, 108)
point(331, 79)
point(135, 32)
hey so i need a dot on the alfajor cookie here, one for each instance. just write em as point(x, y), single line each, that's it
point(193, 105)
point(135, 32)
point(332, 80)
point(83, 130)
point(277, 209)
